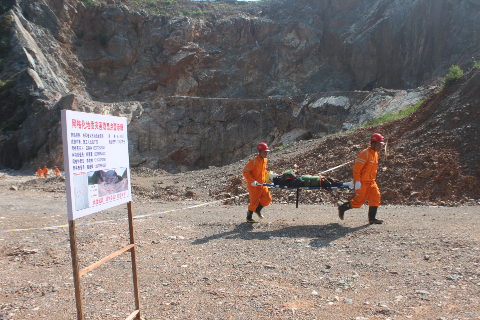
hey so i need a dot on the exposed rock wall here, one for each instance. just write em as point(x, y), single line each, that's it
point(190, 133)
point(183, 133)
point(290, 47)
point(201, 93)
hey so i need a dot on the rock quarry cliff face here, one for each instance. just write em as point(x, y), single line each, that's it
point(204, 92)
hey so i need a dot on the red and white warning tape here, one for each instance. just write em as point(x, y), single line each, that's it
point(336, 167)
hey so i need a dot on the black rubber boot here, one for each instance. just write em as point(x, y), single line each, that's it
point(258, 211)
point(372, 212)
point(344, 207)
point(249, 217)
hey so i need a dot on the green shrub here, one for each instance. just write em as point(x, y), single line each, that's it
point(454, 73)
point(476, 64)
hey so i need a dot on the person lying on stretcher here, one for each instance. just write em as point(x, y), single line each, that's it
point(292, 179)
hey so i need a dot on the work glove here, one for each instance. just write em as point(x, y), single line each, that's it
point(254, 183)
point(358, 185)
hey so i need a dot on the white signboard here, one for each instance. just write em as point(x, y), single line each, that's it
point(97, 171)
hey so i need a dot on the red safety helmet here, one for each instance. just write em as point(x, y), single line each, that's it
point(262, 146)
point(377, 137)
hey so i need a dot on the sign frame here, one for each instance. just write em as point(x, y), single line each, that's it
point(95, 150)
point(77, 273)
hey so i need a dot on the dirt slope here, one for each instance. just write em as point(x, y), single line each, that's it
point(432, 155)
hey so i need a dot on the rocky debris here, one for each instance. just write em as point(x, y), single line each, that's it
point(146, 172)
point(430, 160)
point(21, 251)
point(53, 184)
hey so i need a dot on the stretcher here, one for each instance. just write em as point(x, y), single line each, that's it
point(348, 187)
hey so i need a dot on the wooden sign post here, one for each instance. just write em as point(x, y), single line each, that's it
point(77, 274)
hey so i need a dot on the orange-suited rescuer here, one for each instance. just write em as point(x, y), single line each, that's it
point(255, 172)
point(45, 171)
point(364, 175)
point(56, 171)
point(39, 172)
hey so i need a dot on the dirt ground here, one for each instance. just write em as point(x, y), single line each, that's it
point(207, 263)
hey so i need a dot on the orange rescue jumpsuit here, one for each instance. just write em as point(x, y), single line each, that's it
point(39, 172)
point(57, 171)
point(256, 170)
point(365, 171)
point(45, 172)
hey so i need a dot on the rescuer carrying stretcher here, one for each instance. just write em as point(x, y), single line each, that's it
point(364, 175)
point(255, 172)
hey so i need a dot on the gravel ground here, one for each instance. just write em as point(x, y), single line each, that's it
point(206, 263)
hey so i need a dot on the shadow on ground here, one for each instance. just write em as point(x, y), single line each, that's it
point(321, 236)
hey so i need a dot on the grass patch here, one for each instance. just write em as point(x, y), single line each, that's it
point(476, 64)
point(88, 3)
point(390, 116)
point(282, 147)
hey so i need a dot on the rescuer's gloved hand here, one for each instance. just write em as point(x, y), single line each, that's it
point(254, 183)
point(358, 185)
